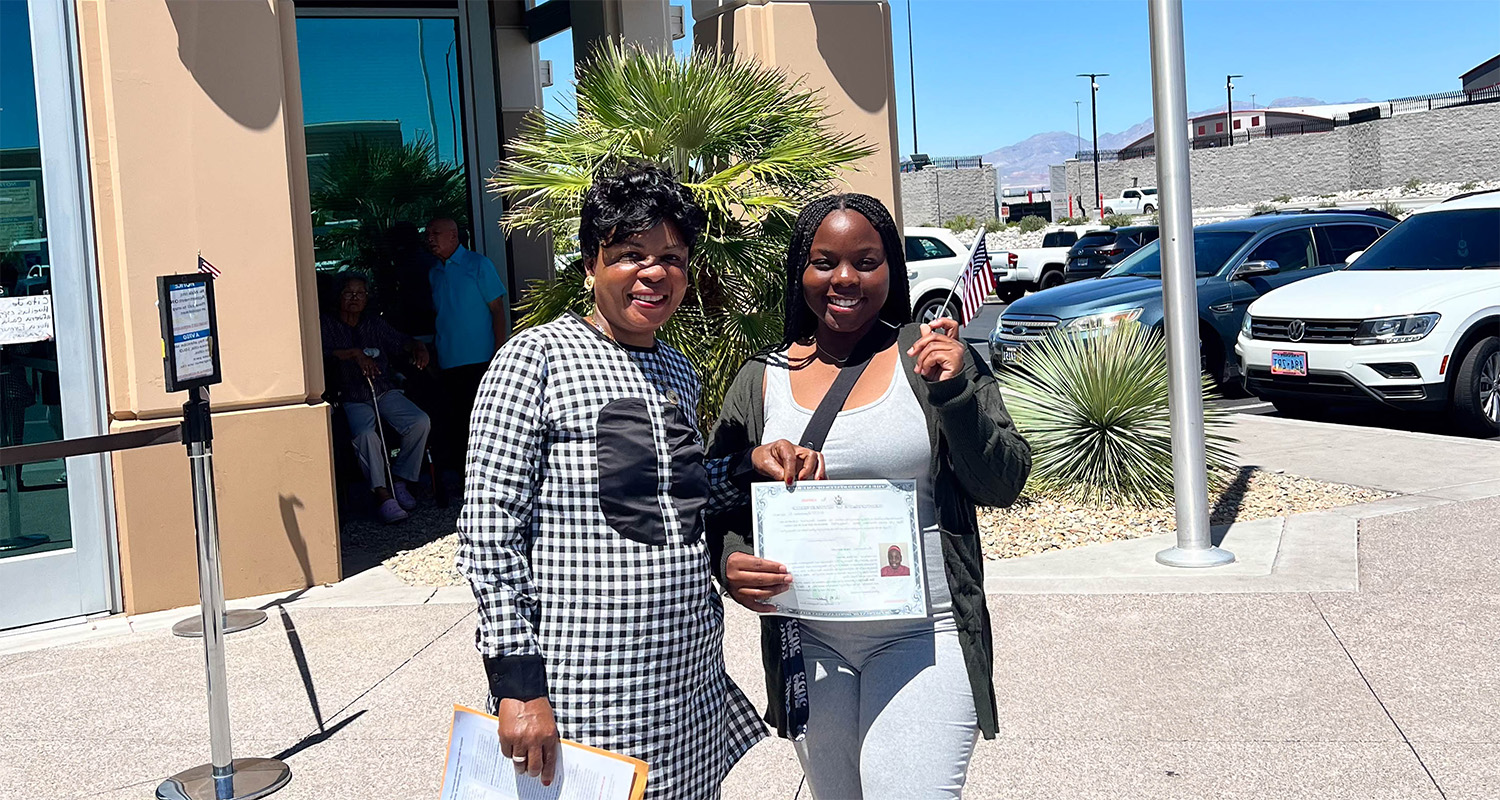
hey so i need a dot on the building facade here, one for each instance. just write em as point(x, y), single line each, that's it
point(154, 131)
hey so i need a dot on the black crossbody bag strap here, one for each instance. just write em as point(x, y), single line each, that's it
point(793, 668)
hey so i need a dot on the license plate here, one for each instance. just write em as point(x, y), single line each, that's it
point(1288, 362)
point(1009, 354)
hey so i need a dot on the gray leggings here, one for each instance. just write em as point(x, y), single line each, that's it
point(890, 709)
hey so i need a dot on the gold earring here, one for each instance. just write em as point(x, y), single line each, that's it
point(588, 283)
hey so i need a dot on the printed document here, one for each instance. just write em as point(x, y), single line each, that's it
point(477, 770)
point(853, 548)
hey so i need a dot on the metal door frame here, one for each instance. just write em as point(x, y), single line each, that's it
point(89, 569)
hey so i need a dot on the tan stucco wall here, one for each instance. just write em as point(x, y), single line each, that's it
point(841, 48)
point(195, 143)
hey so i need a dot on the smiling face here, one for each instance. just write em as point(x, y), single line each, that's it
point(639, 282)
point(847, 277)
point(893, 557)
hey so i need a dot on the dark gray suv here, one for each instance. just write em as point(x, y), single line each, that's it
point(1237, 262)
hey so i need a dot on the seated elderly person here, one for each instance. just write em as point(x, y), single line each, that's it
point(362, 344)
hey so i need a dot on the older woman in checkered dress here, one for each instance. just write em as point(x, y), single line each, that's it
point(582, 532)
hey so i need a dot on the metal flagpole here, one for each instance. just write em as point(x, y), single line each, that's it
point(1195, 547)
point(224, 777)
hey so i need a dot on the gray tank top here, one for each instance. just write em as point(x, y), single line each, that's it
point(854, 451)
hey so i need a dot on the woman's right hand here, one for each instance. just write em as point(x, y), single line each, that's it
point(367, 365)
point(528, 736)
point(783, 461)
point(753, 581)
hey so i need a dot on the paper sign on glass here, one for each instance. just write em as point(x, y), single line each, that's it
point(477, 770)
point(25, 319)
point(853, 548)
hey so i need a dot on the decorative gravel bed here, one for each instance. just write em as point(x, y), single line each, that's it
point(1034, 526)
point(421, 550)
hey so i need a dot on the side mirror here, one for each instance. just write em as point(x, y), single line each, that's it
point(1352, 256)
point(1253, 268)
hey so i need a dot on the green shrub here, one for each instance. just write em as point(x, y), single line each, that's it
point(1327, 204)
point(1411, 185)
point(1032, 223)
point(1263, 208)
point(1094, 411)
point(1282, 198)
point(994, 224)
point(961, 223)
point(1118, 220)
point(1468, 186)
point(1072, 221)
point(1393, 208)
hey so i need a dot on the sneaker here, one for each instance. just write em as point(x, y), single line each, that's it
point(403, 496)
point(391, 512)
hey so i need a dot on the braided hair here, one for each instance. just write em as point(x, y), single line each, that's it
point(800, 322)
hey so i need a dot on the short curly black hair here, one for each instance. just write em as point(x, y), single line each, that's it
point(634, 199)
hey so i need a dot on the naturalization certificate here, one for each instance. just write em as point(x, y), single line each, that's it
point(853, 548)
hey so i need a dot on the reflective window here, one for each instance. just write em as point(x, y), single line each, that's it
point(383, 109)
point(33, 497)
point(1337, 242)
point(922, 248)
point(1292, 250)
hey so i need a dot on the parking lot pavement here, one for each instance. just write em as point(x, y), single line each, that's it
point(977, 332)
point(1355, 416)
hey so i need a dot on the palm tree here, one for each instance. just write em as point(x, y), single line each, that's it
point(366, 188)
point(752, 144)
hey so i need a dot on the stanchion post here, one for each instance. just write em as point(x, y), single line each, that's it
point(190, 353)
point(1195, 547)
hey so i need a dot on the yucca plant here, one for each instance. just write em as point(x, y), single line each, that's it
point(1094, 410)
point(751, 143)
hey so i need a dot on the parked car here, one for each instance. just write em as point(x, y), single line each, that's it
point(934, 260)
point(1237, 262)
point(1413, 323)
point(1096, 252)
point(1032, 269)
point(1133, 201)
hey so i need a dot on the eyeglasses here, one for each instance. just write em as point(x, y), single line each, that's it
point(352, 295)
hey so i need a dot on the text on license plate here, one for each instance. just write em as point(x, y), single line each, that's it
point(1288, 362)
point(1010, 354)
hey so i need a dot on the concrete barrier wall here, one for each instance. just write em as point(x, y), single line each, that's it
point(934, 196)
point(1452, 144)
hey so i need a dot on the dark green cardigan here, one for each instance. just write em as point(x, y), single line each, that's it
point(977, 457)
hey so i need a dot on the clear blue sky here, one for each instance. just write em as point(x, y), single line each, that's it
point(993, 72)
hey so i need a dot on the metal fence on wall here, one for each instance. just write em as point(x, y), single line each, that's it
point(954, 162)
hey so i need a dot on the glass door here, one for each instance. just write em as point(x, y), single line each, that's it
point(55, 559)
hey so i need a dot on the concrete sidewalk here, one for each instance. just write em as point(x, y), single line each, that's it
point(1385, 689)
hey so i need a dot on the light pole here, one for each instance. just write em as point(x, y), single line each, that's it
point(911, 67)
point(1094, 117)
point(1195, 546)
point(1229, 109)
point(1077, 126)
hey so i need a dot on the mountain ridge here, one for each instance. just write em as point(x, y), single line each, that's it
point(1025, 163)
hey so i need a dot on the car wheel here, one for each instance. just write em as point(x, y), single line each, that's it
point(1476, 389)
point(1149, 209)
point(1050, 278)
point(937, 305)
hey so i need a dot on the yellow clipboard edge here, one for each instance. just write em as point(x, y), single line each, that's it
point(637, 787)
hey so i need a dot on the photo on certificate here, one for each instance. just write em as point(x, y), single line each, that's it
point(853, 548)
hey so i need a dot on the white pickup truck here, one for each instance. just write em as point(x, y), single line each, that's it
point(1035, 268)
point(1133, 201)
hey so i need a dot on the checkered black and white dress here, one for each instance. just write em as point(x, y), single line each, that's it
point(581, 534)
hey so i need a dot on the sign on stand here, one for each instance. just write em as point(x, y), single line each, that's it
point(190, 352)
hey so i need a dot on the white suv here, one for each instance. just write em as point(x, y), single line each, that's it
point(1411, 323)
point(935, 258)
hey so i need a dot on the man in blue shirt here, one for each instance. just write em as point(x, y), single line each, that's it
point(470, 301)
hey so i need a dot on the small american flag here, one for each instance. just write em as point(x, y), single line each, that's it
point(977, 281)
point(204, 266)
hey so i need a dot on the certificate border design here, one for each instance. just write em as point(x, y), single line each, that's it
point(916, 607)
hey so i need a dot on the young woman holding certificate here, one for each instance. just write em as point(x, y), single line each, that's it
point(891, 707)
point(581, 529)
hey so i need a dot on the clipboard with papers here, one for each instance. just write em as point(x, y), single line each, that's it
point(477, 771)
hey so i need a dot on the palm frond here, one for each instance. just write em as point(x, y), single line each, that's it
point(751, 143)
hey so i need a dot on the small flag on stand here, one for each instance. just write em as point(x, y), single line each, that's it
point(204, 266)
point(977, 281)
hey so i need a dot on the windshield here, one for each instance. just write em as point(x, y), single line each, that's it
point(1210, 248)
point(1463, 239)
point(1095, 240)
